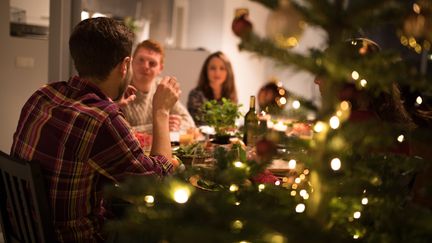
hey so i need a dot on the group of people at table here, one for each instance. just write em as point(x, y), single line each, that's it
point(80, 130)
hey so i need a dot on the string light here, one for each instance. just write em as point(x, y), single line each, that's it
point(344, 105)
point(237, 225)
point(297, 180)
point(293, 193)
point(294, 186)
point(419, 100)
point(334, 122)
point(149, 199)
point(292, 164)
point(261, 187)
point(400, 138)
point(277, 183)
point(356, 236)
point(238, 164)
point(357, 215)
point(335, 164)
point(355, 75)
point(302, 192)
point(319, 127)
point(237, 203)
point(283, 100)
point(302, 177)
point(181, 195)
point(233, 188)
point(364, 201)
point(363, 83)
point(296, 104)
point(300, 208)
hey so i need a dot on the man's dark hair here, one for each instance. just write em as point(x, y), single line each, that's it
point(97, 45)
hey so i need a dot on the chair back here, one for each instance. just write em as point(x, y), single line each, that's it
point(25, 213)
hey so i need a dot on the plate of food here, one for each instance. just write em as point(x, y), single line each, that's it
point(204, 184)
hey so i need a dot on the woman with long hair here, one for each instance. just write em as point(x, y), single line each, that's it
point(216, 81)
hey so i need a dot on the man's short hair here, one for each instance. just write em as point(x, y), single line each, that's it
point(153, 46)
point(97, 45)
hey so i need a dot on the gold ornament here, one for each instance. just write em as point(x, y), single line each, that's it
point(285, 25)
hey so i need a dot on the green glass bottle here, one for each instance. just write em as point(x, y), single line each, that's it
point(250, 124)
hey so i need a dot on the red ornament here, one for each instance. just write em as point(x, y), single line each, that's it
point(265, 149)
point(241, 26)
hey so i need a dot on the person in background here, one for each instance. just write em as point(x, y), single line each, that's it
point(147, 64)
point(216, 81)
point(78, 135)
point(272, 97)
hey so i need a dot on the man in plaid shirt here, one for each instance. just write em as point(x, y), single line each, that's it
point(79, 136)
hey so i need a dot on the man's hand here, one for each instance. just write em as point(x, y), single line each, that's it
point(128, 96)
point(166, 95)
point(174, 123)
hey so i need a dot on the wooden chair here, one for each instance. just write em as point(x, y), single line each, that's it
point(25, 214)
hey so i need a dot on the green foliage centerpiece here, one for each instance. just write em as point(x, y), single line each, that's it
point(222, 116)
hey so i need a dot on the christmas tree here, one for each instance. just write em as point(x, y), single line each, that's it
point(363, 174)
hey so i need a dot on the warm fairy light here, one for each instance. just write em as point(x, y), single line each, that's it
point(355, 75)
point(149, 199)
point(261, 187)
point(306, 196)
point(404, 40)
point(233, 188)
point(363, 83)
point(294, 186)
point(357, 215)
point(296, 104)
point(344, 105)
point(306, 171)
point(281, 91)
point(412, 42)
point(297, 180)
point(416, 8)
point(334, 122)
point(277, 183)
point(335, 164)
point(339, 113)
point(285, 179)
point(283, 100)
point(419, 100)
point(238, 164)
point(364, 201)
point(292, 164)
point(302, 192)
point(293, 193)
point(237, 224)
point(181, 195)
point(319, 126)
point(400, 138)
point(237, 203)
point(300, 208)
point(302, 177)
point(356, 236)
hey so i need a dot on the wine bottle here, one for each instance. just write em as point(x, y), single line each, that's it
point(250, 124)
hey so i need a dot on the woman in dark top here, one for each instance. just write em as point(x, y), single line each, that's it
point(216, 81)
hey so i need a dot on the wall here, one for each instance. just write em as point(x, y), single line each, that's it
point(17, 84)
